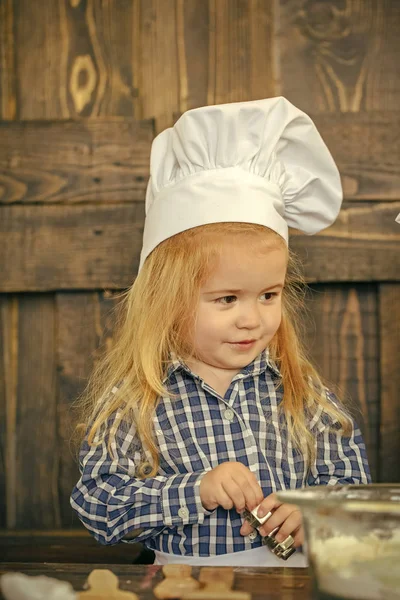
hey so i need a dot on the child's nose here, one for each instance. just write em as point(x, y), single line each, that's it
point(249, 317)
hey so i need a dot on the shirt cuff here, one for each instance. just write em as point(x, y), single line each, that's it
point(181, 502)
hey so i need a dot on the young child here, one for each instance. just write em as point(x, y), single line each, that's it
point(206, 404)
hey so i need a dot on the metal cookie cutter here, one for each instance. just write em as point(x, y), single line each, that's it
point(281, 549)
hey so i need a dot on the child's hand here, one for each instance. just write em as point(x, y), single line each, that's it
point(287, 516)
point(229, 485)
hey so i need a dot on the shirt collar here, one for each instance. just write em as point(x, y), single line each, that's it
point(260, 364)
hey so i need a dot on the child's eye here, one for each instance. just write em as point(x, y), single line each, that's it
point(226, 299)
point(269, 295)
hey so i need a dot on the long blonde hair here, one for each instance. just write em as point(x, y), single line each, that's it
point(153, 319)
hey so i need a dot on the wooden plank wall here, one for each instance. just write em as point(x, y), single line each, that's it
point(84, 87)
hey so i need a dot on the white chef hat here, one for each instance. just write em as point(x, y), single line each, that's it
point(258, 162)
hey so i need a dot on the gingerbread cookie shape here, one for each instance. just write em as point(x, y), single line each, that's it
point(104, 585)
point(216, 584)
point(178, 581)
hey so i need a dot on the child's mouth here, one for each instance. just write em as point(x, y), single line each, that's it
point(244, 344)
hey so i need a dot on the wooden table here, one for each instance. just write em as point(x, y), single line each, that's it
point(262, 583)
point(75, 546)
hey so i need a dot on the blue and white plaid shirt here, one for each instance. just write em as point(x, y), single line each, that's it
point(195, 433)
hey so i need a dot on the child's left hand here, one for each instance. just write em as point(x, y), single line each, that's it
point(287, 516)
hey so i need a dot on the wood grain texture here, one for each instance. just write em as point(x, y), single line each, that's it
point(241, 53)
point(85, 321)
point(343, 338)
point(8, 408)
point(366, 149)
point(382, 86)
point(108, 159)
point(37, 450)
point(83, 60)
point(74, 58)
point(3, 414)
point(156, 61)
point(339, 56)
point(41, 55)
point(362, 245)
point(105, 160)
point(66, 546)
point(389, 323)
point(98, 246)
point(66, 248)
point(262, 583)
point(8, 83)
point(193, 26)
point(99, 57)
point(114, 25)
point(192, 53)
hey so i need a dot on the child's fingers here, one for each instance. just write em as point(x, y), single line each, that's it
point(267, 505)
point(299, 537)
point(243, 483)
point(246, 528)
point(291, 524)
point(223, 498)
point(278, 517)
point(253, 493)
point(235, 494)
point(249, 486)
point(259, 494)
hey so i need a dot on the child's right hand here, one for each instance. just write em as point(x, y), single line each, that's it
point(229, 485)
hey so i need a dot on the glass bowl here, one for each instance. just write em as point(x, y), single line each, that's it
point(352, 539)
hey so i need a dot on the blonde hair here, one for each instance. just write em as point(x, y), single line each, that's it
point(153, 319)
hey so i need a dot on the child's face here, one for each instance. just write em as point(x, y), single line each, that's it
point(239, 308)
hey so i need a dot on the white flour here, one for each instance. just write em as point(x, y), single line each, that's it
point(354, 568)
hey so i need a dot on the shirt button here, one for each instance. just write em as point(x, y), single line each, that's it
point(183, 513)
point(229, 415)
point(158, 431)
point(253, 535)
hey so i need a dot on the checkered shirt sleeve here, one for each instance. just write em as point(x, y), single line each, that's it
point(111, 502)
point(339, 459)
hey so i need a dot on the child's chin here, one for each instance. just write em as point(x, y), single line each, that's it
point(240, 363)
